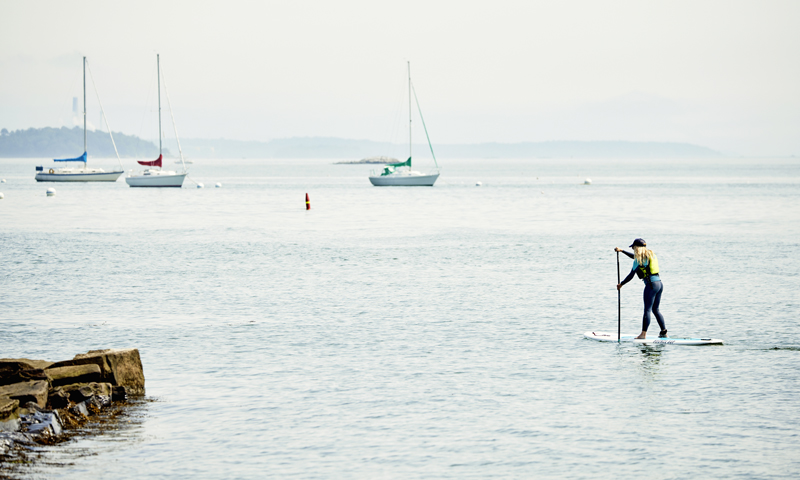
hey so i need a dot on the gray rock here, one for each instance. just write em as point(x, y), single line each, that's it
point(9, 439)
point(10, 425)
point(18, 437)
point(42, 423)
point(80, 409)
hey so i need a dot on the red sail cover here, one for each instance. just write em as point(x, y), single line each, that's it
point(154, 163)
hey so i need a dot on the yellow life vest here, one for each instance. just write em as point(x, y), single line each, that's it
point(647, 271)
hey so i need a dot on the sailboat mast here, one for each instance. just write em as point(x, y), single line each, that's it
point(84, 106)
point(158, 81)
point(409, 110)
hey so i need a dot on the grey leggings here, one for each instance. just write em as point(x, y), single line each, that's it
point(652, 298)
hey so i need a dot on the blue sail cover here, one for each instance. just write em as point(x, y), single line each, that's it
point(82, 158)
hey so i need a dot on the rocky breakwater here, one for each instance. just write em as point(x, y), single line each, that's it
point(40, 401)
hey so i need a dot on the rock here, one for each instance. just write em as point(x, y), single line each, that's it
point(119, 394)
point(97, 402)
point(79, 409)
point(59, 376)
point(91, 380)
point(5, 445)
point(32, 391)
point(27, 363)
point(18, 438)
point(14, 365)
point(8, 377)
point(8, 408)
point(58, 398)
point(80, 392)
point(43, 423)
point(10, 425)
point(20, 370)
point(117, 367)
point(34, 407)
point(9, 414)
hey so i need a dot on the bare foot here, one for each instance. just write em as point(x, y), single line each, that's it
point(641, 336)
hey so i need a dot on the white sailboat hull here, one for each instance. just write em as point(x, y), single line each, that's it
point(78, 176)
point(162, 180)
point(404, 180)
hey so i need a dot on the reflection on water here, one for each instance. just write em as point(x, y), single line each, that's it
point(646, 358)
point(650, 359)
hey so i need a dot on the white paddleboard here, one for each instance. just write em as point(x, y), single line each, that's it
point(631, 337)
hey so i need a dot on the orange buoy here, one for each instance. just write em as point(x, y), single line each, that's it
point(308, 203)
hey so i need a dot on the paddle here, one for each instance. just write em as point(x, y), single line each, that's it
point(619, 304)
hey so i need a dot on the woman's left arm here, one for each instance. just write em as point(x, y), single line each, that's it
point(630, 255)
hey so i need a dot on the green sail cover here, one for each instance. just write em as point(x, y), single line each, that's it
point(389, 169)
point(407, 163)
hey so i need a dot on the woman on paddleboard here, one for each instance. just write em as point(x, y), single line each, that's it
point(645, 266)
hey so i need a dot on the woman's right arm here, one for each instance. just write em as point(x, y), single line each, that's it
point(630, 275)
point(628, 278)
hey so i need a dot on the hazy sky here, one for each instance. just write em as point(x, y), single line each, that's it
point(723, 74)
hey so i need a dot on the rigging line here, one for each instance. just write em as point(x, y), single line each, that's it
point(105, 119)
point(423, 125)
point(174, 126)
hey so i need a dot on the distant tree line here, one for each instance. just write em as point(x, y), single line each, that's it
point(68, 142)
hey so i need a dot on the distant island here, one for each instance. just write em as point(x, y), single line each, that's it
point(65, 142)
point(68, 143)
point(370, 160)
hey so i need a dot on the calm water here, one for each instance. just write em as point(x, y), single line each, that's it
point(419, 333)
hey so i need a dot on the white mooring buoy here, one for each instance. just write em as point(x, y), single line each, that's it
point(3, 181)
point(478, 184)
point(588, 181)
point(51, 192)
point(200, 185)
point(1, 196)
point(218, 185)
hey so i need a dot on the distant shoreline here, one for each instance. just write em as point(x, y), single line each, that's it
point(66, 142)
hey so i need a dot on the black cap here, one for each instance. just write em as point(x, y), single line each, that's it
point(639, 242)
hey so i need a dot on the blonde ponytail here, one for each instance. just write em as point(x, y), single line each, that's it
point(640, 253)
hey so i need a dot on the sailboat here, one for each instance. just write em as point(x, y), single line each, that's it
point(152, 177)
point(71, 174)
point(401, 174)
